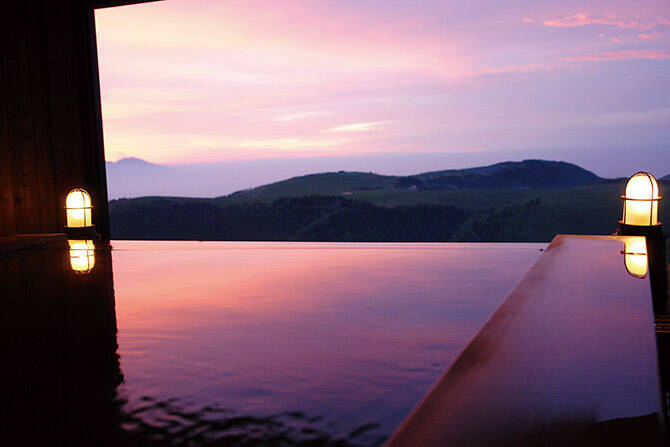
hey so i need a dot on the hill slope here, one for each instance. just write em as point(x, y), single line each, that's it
point(527, 174)
point(328, 183)
point(533, 208)
point(507, 175)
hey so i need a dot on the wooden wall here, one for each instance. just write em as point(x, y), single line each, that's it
point(50, 116)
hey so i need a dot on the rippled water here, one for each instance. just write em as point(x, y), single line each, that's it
point(295, 343)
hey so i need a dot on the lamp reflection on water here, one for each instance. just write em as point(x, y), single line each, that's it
point(635, 256)
point(82, 255)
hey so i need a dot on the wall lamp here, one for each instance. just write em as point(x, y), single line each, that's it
point(78, 209)
point(640, 218)
point(80, 231)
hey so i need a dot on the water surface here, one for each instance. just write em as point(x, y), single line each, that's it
point(313, 341)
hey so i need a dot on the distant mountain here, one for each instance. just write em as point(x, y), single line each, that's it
point(134, 177)
point(532, 174)
point(129, 175)
point(135, 163)
point(666, 178)
point(527, 174)
point(131, 169)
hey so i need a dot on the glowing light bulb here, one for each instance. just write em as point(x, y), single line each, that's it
point(78, 206)
point(641, 200)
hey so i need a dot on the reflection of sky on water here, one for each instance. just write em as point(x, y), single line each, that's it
point(356, 333)
point(569, 358)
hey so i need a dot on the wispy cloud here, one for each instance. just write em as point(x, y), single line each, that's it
point(357, 127)
point(298, 116)
point(211, 80)
point(647, 36)
point(611, 39)
point(622, 55)
point(281, 144)
point(520, 68)
point(583, 19)
point(289, 143)
point(134, 110)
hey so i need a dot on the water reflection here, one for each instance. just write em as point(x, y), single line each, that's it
point(569, 359)
point(58, 339)
point(236, 344)
point(61, 376)
point(635, 256)
point(82, 255)
point(354, 333)
point(220, 426)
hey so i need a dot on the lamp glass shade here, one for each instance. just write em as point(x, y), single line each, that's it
point(635, 256)
point(78, 207)
point(641, 200)
point(82, 255)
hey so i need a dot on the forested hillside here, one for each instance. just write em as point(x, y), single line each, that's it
point(474, 215)
point(311, 218)
point(527, 174)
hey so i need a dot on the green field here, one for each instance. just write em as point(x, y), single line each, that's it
point(326, 184)
point(430, 187)
point(478, 199)
point(348, 186)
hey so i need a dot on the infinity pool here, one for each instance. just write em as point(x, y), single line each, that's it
point(236, 343)
point(314, 340)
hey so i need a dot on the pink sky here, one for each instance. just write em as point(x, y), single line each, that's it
point(212, 81)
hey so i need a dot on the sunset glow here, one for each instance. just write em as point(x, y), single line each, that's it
point(204, 81)
point(348, 331)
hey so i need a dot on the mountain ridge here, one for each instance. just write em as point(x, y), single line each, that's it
point(526, 174)
point(128, 175)
point(135, 177)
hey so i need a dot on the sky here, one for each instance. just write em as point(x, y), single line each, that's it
point(397, 85)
